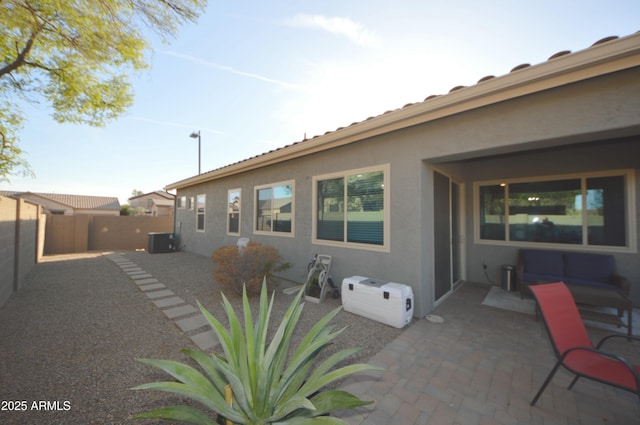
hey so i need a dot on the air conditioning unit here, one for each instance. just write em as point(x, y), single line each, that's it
point(160, 242)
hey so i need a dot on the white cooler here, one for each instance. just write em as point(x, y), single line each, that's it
point(386, 302)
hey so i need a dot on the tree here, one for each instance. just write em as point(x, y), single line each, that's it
point(77, 56)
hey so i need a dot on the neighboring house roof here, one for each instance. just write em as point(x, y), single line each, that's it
point(163, 202)
point(608, 55)
point(73, 201)
point(156, 194)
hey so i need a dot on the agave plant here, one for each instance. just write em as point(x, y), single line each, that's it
point(269, 384)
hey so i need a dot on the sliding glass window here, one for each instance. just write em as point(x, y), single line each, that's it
point(586, 210)
point(350, 208)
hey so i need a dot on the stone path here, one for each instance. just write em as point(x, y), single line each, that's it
point(185, 316)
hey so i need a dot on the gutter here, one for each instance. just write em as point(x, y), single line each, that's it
point(597, 60)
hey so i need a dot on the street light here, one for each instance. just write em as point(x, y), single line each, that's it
point(195, 135)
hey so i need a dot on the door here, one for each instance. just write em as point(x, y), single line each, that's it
point(446, 217)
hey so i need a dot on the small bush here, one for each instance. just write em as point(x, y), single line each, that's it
point(248, 266)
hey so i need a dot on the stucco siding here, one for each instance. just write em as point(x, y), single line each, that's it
point(582, 127)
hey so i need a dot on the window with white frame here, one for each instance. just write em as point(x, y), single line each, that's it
point(233, 211)
point(191, 203)
point(275, 208)
point(351, 208)
point(586, 210)
point(200, 212)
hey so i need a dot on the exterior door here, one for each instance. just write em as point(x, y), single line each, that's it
point(446, 252)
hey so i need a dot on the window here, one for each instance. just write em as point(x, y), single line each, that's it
point(182, 202)
point(190, 203)
point(586, 210)
point(274, 208)
point(233, 211)
point(350, 208)
point(200, 212)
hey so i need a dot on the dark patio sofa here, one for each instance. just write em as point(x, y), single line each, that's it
point(573, 268)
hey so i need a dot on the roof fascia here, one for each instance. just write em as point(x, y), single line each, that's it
point(613, 56)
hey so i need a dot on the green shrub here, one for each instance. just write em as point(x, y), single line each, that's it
point(270, 383)
point(247, 266)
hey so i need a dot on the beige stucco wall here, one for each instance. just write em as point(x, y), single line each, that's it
point(80, 233)
point(516, 138)
point(19, 230)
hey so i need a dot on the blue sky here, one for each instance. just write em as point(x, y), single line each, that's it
point(252, 76)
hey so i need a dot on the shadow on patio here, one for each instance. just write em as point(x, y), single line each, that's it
point(482, 366)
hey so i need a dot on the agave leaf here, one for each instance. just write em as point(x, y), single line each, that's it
point(276, 354)
point(291, 405)
point(332, 400)
point(211, 400)
point(250, 341)
point(210, 366)
point(240, 381)
point(182, 372)
point(310, 351)
point(317, 420)
point(229, 377)
point(223, 336)
point(330, 362)
point(319, 328)
point(312, 386)
point(186, 414)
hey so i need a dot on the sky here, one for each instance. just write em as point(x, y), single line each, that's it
point(252, 76)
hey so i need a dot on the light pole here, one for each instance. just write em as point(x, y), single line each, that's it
point(195, 135)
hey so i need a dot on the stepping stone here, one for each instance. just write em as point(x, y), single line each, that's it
point(141, 276)
point(169, 302)
point(152, 287)
point(135, 271)
point(125, 264)
point(159, 294)
point(183, 310)
point(205, 340)
point(146, 281)
point(192, 323)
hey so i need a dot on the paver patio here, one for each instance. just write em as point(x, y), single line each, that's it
point(482, 366)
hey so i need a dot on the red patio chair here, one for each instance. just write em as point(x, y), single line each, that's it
point(573, 347)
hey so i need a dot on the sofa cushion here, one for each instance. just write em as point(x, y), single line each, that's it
point(542, 278)
point(537, 261)
point(592, 283)
point(593, 267)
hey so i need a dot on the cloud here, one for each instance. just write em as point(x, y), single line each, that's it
point(231, 70)
point(335, 25)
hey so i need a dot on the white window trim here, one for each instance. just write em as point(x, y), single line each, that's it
point(204, 214)
point(229, 192)
point(630, 200)
point(293, 209)
point(386, 246)
point(191, 203)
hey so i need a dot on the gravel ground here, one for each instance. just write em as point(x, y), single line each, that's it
point(71, 336)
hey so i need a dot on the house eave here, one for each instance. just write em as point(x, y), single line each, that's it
point(602, 59)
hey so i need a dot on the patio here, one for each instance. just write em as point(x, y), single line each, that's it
point(73, 333)
point(482, 366)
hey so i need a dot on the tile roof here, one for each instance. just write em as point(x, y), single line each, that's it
point(427, 100)
point(158, 193)
point(73, 201)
